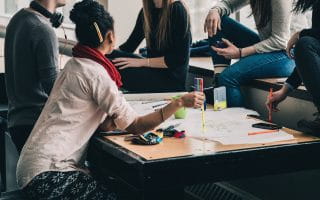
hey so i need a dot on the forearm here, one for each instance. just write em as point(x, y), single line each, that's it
point(294, 79)
point(152, 120)
point(155, 63)
point(247, 51)
point(226, 7)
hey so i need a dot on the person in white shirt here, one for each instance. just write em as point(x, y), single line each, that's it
point(85, 96)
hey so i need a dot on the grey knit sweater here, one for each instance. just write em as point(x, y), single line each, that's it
point(275, 35)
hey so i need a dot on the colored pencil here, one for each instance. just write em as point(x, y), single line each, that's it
point(198, 83)
point(263, 132)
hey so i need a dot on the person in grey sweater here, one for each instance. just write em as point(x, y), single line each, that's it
point(31, 64)
point(261, 55)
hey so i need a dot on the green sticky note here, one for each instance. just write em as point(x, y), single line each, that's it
point(182, 112)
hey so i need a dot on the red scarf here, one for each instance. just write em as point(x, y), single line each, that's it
point(82, 51)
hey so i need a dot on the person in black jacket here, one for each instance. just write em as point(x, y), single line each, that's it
point(306, 44)
point(165, 26)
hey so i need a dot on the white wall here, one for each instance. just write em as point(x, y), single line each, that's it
point(198, 12)
point(125, 13)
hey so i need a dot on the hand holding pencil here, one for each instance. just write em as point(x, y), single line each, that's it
point(276, 98)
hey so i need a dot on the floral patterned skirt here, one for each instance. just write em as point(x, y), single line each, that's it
point(67, 186)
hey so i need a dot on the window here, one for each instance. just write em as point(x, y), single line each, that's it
point(66, 10)
point(9, 7)
point(198, 12)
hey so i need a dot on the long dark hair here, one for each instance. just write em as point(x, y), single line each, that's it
point(165, 25)
point(304, 5)
point(262, 9)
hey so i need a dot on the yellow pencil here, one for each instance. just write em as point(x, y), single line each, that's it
point(198, 84)
point(203, 120)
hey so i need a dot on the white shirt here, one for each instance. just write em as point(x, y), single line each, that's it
point(81, 99)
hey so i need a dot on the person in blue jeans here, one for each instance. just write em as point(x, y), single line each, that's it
point(200, 48)
point(306, 45)
point(260, 55)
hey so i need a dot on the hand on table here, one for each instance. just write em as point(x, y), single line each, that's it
point(123, 63)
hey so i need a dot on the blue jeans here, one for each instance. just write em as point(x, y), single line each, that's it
point(200, 48)
point(264, 65)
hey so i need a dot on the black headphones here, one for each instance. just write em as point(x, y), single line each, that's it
point(56, 18)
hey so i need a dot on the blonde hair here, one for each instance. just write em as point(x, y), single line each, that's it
point(164, 28)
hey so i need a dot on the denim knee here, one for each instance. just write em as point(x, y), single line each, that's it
point(305, 45)
point(226, 79)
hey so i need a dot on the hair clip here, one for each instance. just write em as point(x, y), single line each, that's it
point(98, 31)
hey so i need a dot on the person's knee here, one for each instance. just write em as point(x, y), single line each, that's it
point(225, 18)
point(226, 79)
point(305, 45)
point(226, 21)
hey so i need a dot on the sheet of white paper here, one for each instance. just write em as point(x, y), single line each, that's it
point(145, 107)
point(151, 96)
point(229, 126)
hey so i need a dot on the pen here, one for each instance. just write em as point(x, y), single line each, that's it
point(162, 104)
point(149, 102)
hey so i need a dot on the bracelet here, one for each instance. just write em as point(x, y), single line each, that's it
point(240, 53)
point(217, 8)
point(162, 115)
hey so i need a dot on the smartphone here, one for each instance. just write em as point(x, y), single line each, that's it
point(220, 44)
point(266, 126)
point(253, 116)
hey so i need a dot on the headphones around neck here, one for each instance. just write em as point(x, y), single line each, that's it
point(56, 18)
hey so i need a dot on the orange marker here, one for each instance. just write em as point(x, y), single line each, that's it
point(263, 132)
point(270, 107)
